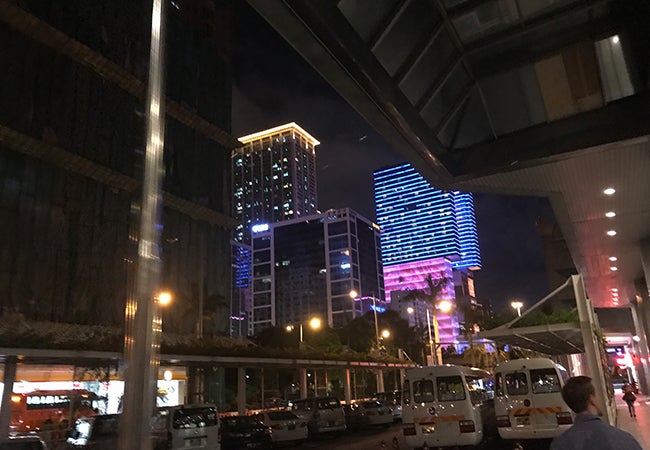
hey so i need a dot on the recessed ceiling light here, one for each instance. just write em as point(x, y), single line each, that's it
point(615, 39)
point(613, 268)
point(611, 233)
point(610, 214)
point(614, 289)
point(613, 258)
point(609, 191)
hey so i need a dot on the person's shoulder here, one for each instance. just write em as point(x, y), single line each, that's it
point(623, 439)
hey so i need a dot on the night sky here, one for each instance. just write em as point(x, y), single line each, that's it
point(273, 85)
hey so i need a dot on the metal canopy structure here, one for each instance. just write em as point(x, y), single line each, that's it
point(520, 97)
point(553, 339)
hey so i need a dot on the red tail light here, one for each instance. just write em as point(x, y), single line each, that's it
point(564, 418)
point(467, 426)
point(503, 421)
point(409, 429)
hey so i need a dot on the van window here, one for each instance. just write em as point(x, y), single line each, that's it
point(516, 383)
point(450, 389)
point(195, 417)
point(423, 391)
point(407, 393)
point(544, 381)
point(480, 389)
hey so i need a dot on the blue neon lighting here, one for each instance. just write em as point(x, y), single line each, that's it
point(379, 309)
point(420, 222)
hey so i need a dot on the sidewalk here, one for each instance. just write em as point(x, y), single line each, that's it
point(639, 427)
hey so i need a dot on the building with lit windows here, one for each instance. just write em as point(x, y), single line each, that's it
point(308, 266)
point(420, 222)
point(241, 292)
point(425, 231)
point(273, 177)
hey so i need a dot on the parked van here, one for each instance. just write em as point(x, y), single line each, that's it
point(97, 432)
point(322, 414)
point(447, 406)
point(528, 400)
point(188, 427)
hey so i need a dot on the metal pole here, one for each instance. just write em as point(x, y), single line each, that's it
point(9, 379)
point(374, 309)
point(592, 350)
point(141, 350)
point(433, 360)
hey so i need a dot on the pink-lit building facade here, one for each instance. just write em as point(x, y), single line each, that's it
point(401, 279)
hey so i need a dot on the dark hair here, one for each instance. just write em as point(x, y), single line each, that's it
point(576, 393)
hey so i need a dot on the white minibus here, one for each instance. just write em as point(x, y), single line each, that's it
point(528, 399)
point(447, 406)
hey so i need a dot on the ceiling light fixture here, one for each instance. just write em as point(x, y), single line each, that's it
point(614, 289)
point(615, 39)
point(610, 214)
point(613, 268)
point(609, 191)
point(611, 233)
point(613, 258)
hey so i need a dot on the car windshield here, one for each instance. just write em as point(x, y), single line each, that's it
point(195, 417)
point(372, 404)
point(235, 422)
point(327, 403)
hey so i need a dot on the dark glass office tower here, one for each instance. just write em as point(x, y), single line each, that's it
point(307, 267)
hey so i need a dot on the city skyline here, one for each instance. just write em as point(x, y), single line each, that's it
point(351, 150)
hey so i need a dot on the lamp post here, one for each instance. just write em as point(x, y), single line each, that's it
point(517, 305)
point(355, 296)
point(314, 323)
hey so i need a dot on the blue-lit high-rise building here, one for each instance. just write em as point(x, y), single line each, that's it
point(426, 233)
point(420, 222)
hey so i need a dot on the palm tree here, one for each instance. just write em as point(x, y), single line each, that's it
point(431, 295)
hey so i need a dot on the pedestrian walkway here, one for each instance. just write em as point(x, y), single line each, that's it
point(639, 427)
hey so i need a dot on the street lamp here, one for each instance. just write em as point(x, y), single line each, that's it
point(164, 298)
point(314, 323)
point(517, 305)
point(385, 334)
point(354, 295)
point(445, 306)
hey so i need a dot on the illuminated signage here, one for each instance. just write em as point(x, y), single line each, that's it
point(260, 227)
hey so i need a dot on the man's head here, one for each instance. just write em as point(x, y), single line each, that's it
point(579, 393)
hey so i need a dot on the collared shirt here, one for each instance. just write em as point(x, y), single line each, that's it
point(589, 432)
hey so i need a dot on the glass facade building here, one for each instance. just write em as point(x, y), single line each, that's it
point(273, 177)
point(420, 222)
point(307, 267)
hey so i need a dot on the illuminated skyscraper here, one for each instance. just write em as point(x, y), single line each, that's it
point(420, 222)
point(274, 177)
point(425, 232)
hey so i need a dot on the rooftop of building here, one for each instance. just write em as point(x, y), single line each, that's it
point(292, 126)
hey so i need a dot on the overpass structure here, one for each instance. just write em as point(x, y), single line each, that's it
point(194, 368)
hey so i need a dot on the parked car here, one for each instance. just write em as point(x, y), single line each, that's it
point(376, 412)
point(186, 427)
point(322, 414)
point(97, 432)
point(23, 442)
point(393, 399)
point(285, 426)
point(355, 417)
point(239, 432)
